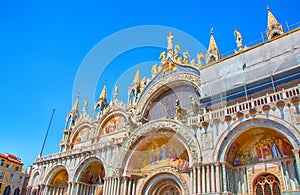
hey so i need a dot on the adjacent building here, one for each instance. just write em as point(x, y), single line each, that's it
point(11, 176)
point(210, 125)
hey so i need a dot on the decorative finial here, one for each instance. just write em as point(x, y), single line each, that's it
point(103, 92)
point(212, 54)
point(137, 79)
point(274, 28)
point(211, 30)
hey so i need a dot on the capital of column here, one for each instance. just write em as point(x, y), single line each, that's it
point(296, 151)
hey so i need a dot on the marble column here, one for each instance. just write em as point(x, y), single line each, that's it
point(224, 176)
point(198, 180)
point(105, 186)
point(194, 180)
point(133, 187)
point(218, 183)
point(213, 181)
point(287, 175)
point(69, 188)
point(109, 186)
point(207, 179)
point(297, 159)
point(125, 186)
point(118, 186)
point(129, 186)
point(203, 179)
point(114, 186)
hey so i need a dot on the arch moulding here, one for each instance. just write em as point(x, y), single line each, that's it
point(186, 135)
point(230, 135)
point(166, 173)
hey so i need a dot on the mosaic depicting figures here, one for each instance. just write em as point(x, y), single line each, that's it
point(264, 144)
point(82, 136)
point(158, 151)
point(93, 174)
point(116, 123)
point(60, 179)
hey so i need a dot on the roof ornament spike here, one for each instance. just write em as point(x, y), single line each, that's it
point(103, 92)
point(137, 76)
point(212, 54)
point(274, 28)
point(76, 104)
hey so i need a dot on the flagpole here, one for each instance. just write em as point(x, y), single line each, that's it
point(47, 133)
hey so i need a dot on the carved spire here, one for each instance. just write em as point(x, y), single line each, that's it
point(212, 54)
point(134, 89)
point(101, 103)
point(137, 76)
point(103, 92)
point(274, 28)
point(75, 105)
point(73, 114)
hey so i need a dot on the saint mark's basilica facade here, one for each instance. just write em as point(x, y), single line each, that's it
point(236, 133)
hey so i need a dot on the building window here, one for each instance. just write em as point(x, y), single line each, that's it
point(17, 168)
point(7, 165)
point(10, 177)
point(0, 186)
point(267, 184)
point(2, 175)
point(20, 179)
point(2, 162)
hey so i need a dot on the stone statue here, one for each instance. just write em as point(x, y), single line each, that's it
point(85, 105)
point(199, 57)
point(194, 105)
point(186, 55)
point(192, 63)
point(239, 39)
point(170, 41)
point(176, 53)
point(154, 70)
point(163, 57)
point(116, 92)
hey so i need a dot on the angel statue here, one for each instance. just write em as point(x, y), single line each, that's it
point(176, 53)
point(185, 57)
point(163, 57)
point(199, 57)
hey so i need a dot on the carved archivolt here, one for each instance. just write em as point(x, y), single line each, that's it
point(186, 135)
point(177, 77)
point(163, 171)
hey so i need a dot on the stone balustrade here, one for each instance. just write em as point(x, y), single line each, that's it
point(261, 103)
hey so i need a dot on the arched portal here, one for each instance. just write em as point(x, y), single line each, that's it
point(161, 150)
point(93, 174)
point(165, 183)
point(266, 184)
point(89, 176)
point(59, 182)
point(258, 144)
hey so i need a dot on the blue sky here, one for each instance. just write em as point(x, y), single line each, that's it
point(43, 43)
